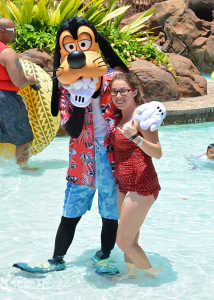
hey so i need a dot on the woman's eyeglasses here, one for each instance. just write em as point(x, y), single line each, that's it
point(123, 92)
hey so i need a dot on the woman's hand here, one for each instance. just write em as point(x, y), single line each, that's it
point(149, 143)
point(130, 129)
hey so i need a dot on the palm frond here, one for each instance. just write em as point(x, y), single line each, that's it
point(114, 14)
point(139, 22)
point(26, 11)
point(55, 16)
point(69, 8)
point(14, 11)
point(4, 12)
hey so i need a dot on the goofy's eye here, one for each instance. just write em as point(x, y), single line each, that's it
point(84, 45)
point(70, 47)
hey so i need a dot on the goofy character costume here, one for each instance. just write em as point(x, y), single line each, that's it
point(80, 93)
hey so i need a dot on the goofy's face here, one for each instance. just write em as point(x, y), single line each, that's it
point(78, 63)
point(81, 63)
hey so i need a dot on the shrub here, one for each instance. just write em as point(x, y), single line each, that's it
point(29, 37)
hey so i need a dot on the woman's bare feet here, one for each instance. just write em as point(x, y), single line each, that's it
point(154, 272)
point(130, 274)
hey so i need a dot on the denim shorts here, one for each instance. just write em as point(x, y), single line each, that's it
point(78, 198)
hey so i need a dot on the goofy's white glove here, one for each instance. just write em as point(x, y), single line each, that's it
point(81, 91)
point(150, 115)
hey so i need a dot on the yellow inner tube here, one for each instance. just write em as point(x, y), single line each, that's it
point(44, 125)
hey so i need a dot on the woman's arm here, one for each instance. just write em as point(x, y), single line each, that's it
point(149, 143)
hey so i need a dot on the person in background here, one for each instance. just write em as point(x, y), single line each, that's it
point(210, 152)
point(14, 123)
point(138, 183)
point(203, 160)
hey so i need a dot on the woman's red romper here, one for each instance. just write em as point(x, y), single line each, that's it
point(134, 168)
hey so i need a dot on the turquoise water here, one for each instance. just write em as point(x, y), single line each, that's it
point(177, 234)
point(207, 76)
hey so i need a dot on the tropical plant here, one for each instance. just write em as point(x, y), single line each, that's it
point(128, 40)
point(152, 53)
point(37, 22)
point(29, 37)
point(48, 12)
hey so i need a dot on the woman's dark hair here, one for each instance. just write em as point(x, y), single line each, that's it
point(133, 81)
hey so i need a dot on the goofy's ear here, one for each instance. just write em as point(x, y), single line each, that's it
point(110, 56)
point(55, 88)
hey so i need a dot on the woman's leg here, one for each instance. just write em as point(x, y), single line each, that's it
point(120, 198)
point(131, 268)
point(132, 215)
point(128, 259)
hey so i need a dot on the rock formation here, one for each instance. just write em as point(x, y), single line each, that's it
point(160, 84)
point(186, 27)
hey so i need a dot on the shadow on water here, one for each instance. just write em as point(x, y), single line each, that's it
point(49, 164)
point(102, 282)
point(167, 275)
point(10, 169)
point(29, 275)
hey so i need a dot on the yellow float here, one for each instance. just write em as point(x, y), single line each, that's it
point(43, 124)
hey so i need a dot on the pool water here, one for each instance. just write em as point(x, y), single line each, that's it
point(177, 234)
point(207, 77)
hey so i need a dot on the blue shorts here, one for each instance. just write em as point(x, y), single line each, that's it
point(78, 198)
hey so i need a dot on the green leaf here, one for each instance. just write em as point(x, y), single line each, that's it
point(55, 17)
point(26, 11)
point(112, 4)
point(90, 4)
point(4, 12)
point(95, 8)
point(42, 12)
point(138, 23)
point(69, 8)
point(117, 12)
point(14, 10)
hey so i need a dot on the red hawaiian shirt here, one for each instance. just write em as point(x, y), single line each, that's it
point(81, 150)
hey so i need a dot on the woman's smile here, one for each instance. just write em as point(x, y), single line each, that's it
point(122, 95)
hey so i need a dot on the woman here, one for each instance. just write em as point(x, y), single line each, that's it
point(137, 178)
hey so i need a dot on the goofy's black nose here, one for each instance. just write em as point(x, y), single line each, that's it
point(76, 59)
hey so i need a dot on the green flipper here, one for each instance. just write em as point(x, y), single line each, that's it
point(104, 266)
